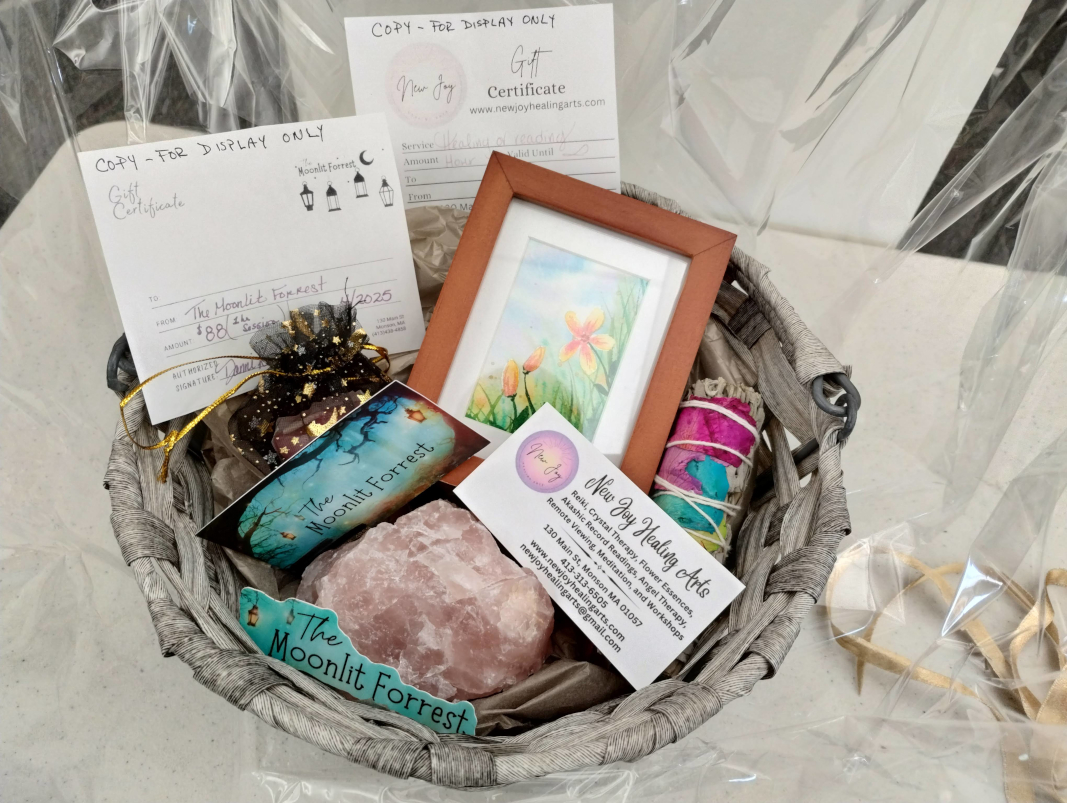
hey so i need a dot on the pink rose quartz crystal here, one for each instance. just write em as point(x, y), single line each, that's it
point(434, 597)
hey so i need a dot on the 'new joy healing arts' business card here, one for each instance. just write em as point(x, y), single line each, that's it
point(536, 84)
point(211, 238)
point(635, 583)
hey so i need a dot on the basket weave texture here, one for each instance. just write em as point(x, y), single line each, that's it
point(784, 554)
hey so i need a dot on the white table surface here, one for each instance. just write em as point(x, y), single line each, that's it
point(93, 712)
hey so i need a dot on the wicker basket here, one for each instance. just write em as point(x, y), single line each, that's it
point(784, 554)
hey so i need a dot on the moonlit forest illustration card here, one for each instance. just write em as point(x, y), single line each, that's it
point(369, 464)
point(560, 340)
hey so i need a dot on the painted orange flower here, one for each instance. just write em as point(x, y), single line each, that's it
point(510, 380)
point(533, 362)
point(585, 340)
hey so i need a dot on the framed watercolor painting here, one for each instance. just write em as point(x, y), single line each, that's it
point(567, 294)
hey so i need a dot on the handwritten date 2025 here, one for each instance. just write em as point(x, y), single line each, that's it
point(381, 297)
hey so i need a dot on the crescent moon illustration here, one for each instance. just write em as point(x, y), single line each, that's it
point(365, 161)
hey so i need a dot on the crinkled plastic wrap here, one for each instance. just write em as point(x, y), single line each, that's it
point(899, 164)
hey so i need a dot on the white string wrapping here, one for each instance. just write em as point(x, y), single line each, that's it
point(709, 405)
point(744, 458)
point(719, 536)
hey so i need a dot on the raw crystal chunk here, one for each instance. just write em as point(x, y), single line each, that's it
point(433, 597)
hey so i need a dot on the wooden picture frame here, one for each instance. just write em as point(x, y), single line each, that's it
point(706, 247)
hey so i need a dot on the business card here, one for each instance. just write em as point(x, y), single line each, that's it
point(536, 84)
point(211, 238)
point(634, 581)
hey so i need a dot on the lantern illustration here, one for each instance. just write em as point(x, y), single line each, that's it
point(386, 192)
point(253, 615)
point(331, 198)
point(361, 185)
point(308, 197)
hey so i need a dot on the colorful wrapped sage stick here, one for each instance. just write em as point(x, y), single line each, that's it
point(708, 463)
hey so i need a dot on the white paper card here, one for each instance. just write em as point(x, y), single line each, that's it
point(211, 238)
point(633, 580)
point(536, 84)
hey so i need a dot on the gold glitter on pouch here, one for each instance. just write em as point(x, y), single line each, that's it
point(315, 429)
point(321, 353)
point(298, 319)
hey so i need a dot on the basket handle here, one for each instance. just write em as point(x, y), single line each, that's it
point(847, 406)
point(120, 358)
point(849, 401)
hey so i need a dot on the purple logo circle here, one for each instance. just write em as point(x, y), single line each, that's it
point(546, 461)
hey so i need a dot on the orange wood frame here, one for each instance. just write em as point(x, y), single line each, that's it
point(707, 247)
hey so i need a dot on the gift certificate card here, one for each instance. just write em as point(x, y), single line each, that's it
point(211, 238)
point(535, 84)
point(634, 581)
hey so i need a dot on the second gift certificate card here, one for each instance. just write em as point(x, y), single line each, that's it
point(536, 84)
point(211, 238)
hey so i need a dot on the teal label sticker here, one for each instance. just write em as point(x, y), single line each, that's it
point(308, 638)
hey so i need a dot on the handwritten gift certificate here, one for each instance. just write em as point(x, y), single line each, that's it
point(630, 578)
point(211, 238)
point(538, 85)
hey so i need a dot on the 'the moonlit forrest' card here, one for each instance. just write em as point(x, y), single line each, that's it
point(211, 238)
point(536, 84)
point(634, 581)
point(369, 464)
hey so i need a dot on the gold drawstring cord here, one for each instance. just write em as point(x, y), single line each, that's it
point(170, 441)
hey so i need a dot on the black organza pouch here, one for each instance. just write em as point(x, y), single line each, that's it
point(323, 358)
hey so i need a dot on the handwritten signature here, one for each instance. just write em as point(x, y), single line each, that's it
point(233, 368)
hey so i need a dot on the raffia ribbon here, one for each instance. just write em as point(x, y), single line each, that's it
point(1042, 763)
point(171, 439)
